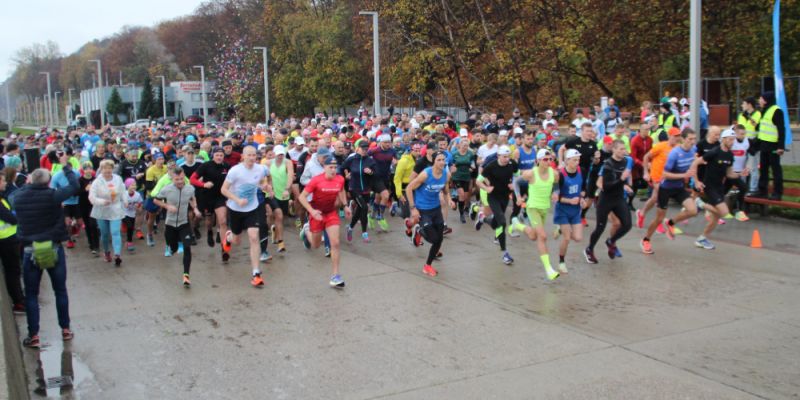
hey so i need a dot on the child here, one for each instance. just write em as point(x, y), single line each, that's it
point(134, 205)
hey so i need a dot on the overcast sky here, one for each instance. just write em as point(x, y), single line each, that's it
point(73, 23)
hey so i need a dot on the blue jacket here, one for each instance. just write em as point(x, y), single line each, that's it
point(359, 181)
point(39, 212)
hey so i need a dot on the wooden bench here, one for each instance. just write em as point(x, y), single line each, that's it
point(764, 203)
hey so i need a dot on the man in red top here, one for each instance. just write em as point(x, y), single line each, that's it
point(231, 157)
point(640, 145)
point(327, 195)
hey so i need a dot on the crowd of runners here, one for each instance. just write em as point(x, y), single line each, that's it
point(324, 180)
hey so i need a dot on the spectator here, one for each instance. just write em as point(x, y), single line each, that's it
point(771, 143)
point(611, 106)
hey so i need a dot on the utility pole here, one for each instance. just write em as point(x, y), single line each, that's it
point(266, 84)
point(203, 91)
point(100, 93)
point(376, 62)
point(695, 22)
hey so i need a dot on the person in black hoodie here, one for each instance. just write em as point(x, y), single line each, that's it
point(40, 217)
point(9, 250)
point(360, 168)
point(771, 143)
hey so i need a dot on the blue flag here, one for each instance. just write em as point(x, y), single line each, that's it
point(780, 94)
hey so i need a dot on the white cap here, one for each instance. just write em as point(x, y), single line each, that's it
point(503, 151)
point(542, 153)
point(503, 132)
point(299, 141)
point(518, 130)
point(673, 99)
point(262, 146)
point(727, 133)
point(384, 138)
point(549, 112)
point(463, 132)
point(279, 150)
point(572, 153)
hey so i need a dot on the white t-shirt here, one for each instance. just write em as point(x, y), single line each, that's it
point(133, 202)
point(739, 150)
point(485, 151)
point(294, 154)
point(244, 183)
point(578, 122)
point(548, 122)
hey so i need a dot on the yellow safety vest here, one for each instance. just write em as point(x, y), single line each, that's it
point(7, 230)
point(748, 127)
point(767, 131)
point(655, 134)
point(666, 123)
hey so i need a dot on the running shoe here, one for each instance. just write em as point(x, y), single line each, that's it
point(393, 210)
point(383, 224)
point(416, 237)
point(507, 260)
point(551, 273)
point(728, 216)
point(217, 237)
point(583, 221)
point(463, 217)
point(741, 216)
point(67, 334)
point(370, 222)
point(257, 281)
point(447, 230)
point(196, 232)
point(226, 244)
point(210, 239)
point(639, 219)
point(660, 229)
point(167, 251)
point(473, 210)
point(721, 222)
point(511, 232)
point(677, 231)
point(439, 255)
point(646, 247)
point(337, 282)
point(194, 241)
point(618, 253)
point(18, 309)
point(349, 233)
point(265, 256)
point(117, 261)
point(150, 241)
point(107, 256)
point(186, 281)
point(298, 223)
point(94, 252)
point(70, 244)
point(589, 254)
point(612, 249)
point(428, 269)
point(304, 236)
point(31, 341)
point(272, 236)
point(225, 256)
point(281, 247)
point(139, 234)
point(699, 203)
point(556, 232)
point(562, 268)
point(327, 251)
point(704, 243)
point(130, 246)
point(479, 222)
point(365, 237)
point(669, 230)
point(407, 222)
point(155, 229)
point(180, 247)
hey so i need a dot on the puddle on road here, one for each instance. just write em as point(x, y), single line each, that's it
point(59, 372)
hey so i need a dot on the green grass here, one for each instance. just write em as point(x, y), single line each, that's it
point(790, 172)
point(22, 131)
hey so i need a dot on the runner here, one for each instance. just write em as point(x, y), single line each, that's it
point(587, 146)
point(384, 156)
point(537, 202)
point(677, 172)
point(402, 177)
point(240, 187)
point(153, 174)
point(740, 151)
point(327, 191)
point(653, 167)
point(464, 161)
point(718, 164)
point(282, 174)
point(133, 206)
point(569, 205)
point(177, 198)
point(497, 184)
point(360, 168)
point(615, 176)
point(208, 180)
point(423, 194)
point(525, 156)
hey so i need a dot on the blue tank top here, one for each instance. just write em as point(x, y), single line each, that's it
point(570, 187)
point(426, 196)
point(526, 160)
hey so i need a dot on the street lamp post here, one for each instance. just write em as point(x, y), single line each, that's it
point(163, 98)
point(71, 107)
point(266, 83)
point(100, 93)
point(695, 11)
point(203, 91)
point(49, 114)
point(376, 63)
point(8, 109)
point(36, 110)
point(55, 106)
point(133, 99)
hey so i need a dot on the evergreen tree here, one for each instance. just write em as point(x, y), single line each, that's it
point(147, 102)
point(115, 106)
point(158, 110)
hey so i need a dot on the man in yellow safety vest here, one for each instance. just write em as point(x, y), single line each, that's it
point(749, 118)
point(771, 143)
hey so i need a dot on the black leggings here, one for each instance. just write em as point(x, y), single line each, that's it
point(604, 208)
point(741, 186)
point(9, 254)
point(263, 226)
point(361, 210)
point(432, 229)
point(498, 206)
point(130, 225)
point(182, 234)
point(92, 232)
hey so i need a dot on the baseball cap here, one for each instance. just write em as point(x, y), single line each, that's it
point(727, 133)
point(503, 151)
point(158, 155)
point(463, 132)
point(572, 153)
point(518, 130)
point(217, 149)
point(129, 182)
point(363, 144)
point(541, 136)
point(384, 138)
point(607, 139)
point(299, 141)
point(323, 151)
point(329, 160)
point(503, 132)
point(542, 153)
point(279, 150)
point(674, 131)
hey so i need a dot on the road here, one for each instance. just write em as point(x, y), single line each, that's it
point(682, 323)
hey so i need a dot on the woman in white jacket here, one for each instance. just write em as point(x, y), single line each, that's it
point(107, 196)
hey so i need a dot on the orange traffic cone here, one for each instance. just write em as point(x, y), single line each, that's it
point(756, 242)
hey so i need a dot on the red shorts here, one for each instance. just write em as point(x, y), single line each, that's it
point(329, 219)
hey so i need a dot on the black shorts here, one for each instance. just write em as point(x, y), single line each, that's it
point(241, 221)
point(713, 195)
point(72, 211)
point(378, 185)
point(207, 203)
point(664, 195)
point(591, 186)
point(276, 204)
point(462, 185)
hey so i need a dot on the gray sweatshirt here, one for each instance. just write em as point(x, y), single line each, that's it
point(180, 199)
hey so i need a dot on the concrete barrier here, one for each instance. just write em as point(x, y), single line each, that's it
point(13, 379)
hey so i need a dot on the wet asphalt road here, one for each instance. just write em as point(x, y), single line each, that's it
point(682, 323)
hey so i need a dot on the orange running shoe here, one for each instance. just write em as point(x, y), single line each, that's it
point(429, 270)
point(257, 281)
point(226, 245)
